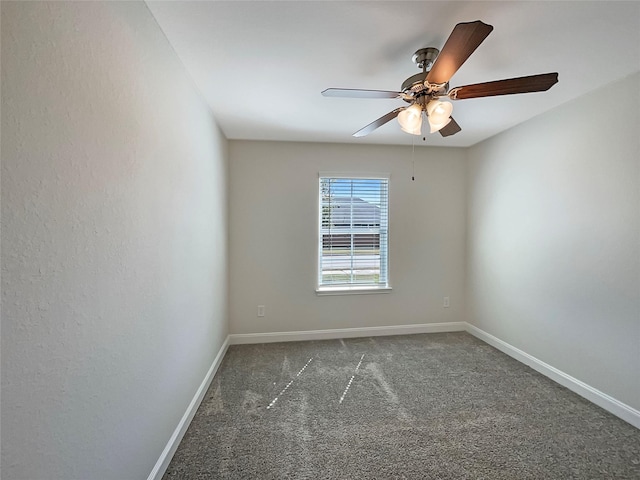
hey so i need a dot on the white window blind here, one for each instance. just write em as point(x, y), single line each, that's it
point(354, 219)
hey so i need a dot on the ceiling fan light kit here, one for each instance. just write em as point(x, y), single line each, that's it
point(410, 119)
point(424, 90)
point(439, 114)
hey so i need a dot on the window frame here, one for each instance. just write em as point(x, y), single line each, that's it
point(349, 289)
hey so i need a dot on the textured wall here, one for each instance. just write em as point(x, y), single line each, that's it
point(273, 236)
point(554, 239)
point(114, 211)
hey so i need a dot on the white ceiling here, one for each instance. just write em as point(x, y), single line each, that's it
point(262, 65)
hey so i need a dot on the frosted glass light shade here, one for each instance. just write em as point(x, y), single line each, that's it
point(410, 119)
point(439, 114)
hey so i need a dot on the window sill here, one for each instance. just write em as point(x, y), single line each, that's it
point(355, 290)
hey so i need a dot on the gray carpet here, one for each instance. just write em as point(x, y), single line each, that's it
point(432, 406)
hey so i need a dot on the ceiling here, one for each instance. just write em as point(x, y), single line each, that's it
point(262, 65)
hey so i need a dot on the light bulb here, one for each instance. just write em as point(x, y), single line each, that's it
point(410, 119)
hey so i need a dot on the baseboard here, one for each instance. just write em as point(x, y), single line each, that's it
point(245, 338)
point(619, 409)
point(167, 454)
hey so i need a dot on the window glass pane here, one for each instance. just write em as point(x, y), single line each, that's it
point(353, 231)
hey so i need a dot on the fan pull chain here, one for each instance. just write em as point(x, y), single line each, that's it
point(413, 161)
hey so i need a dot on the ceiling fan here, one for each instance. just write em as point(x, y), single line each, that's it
point(424, 90)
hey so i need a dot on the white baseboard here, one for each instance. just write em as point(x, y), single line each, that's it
point(619, 409)
point(172, 445)
point(246, 338)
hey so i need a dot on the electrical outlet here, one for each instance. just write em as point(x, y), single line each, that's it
point(445, 302)
point(261, 311)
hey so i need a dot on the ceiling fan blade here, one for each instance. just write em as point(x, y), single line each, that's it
point(357, 93)
point(378, 123)
point(450, 128)
point(462, 42)
point(532, 83)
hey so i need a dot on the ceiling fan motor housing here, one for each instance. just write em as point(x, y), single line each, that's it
point(416, 88)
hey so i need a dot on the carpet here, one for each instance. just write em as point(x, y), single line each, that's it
point(428, 406)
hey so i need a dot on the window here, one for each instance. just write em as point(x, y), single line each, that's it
point(353, 234)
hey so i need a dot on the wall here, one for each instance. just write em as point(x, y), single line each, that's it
point(114, 239)
point(554, 239)
point(273, 236)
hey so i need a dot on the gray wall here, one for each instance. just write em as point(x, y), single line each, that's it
point(273, 236)
point(554, 239)
point(114, 239)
